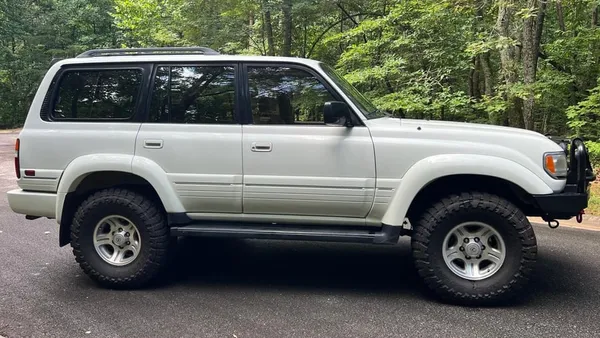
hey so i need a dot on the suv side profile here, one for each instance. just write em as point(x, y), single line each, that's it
point(130, 148)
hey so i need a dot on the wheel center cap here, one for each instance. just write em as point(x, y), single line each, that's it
point(473, 249)
point(119, 239)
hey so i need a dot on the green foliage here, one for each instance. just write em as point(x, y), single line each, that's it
point(584, 118)
point(435, 59)
point(594, 151)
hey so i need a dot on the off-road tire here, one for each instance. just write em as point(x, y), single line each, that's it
point(518, 235)
point(154, 233)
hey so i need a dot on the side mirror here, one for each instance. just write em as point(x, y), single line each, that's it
point(337, 113)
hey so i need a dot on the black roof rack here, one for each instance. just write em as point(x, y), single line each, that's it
point(147, 51)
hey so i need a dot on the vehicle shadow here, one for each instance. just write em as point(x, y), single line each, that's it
point(357, 268)
point(293, 264)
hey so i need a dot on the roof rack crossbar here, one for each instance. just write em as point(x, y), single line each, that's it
point(146, 51)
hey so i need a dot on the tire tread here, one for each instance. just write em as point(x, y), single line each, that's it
point(154, 221)
point(437, 213)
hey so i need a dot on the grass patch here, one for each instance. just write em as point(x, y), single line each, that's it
point(594, 202)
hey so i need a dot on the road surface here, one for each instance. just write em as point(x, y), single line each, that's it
point(237, 288)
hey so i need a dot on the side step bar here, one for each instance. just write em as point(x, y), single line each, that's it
point(381, 235)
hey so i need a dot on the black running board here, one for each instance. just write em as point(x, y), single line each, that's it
point(378, 235)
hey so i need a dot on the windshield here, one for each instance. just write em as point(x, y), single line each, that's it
point(367, 108)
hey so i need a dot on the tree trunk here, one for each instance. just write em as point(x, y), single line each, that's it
point(474, 81)
point(595, 17)
point(471, 82)
point(269, 30)
point(250, 25)
point(486, 69)
point(561, 16)
point(508, 57)
point(532, 32)
point(287, 28)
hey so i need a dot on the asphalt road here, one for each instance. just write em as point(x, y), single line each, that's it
point(249, 288)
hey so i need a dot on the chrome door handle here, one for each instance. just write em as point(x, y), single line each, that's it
point(153, 144)
point(261, 146)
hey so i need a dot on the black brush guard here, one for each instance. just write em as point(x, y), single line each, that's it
point(574, 198)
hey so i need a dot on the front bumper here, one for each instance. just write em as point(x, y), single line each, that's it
point(574, 198)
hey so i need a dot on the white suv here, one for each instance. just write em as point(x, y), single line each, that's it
point(129, 148)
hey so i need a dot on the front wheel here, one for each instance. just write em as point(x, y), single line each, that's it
point(474, 248)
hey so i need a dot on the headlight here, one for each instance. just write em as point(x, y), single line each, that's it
point(555, 164)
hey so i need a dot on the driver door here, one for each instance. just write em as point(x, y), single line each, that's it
point(293, 163)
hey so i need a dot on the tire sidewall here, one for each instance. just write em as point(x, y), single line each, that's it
point(94, 212)
point(505, 228)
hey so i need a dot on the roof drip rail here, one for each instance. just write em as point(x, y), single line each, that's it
point(148, 51)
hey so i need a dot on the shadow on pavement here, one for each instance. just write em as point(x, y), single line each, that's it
point(386, 271)
point(298, 265)
point(305, 266)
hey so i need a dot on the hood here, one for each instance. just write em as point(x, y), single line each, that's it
point(462, 131)
point(419, 139)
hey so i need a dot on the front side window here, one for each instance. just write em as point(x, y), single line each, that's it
point(283, 95)
point(193, 94)
point(98, 94)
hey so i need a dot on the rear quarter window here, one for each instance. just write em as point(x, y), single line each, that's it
point(97, 94)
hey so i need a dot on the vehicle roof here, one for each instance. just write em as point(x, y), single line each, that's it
point(185, 58)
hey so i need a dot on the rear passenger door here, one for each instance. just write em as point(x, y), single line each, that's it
point(192, 132)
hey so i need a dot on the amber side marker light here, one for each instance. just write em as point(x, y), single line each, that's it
point(550, 164)
point(17, 164)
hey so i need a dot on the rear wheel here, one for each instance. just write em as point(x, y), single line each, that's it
point(474, 248)
point(120, 238)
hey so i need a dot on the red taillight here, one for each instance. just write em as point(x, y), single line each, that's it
point(17, 164)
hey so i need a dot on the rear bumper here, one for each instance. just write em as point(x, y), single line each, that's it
point(32, 203)
point(574, 198)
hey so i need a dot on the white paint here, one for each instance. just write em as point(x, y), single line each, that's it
point(312, 174)
point(311, 170)
point(203, 163)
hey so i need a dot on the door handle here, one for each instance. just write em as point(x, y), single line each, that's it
point(153, 144)
point(261, 146)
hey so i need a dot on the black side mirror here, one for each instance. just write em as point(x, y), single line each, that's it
point(337, 113)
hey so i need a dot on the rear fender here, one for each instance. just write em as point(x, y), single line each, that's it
point(82, 166)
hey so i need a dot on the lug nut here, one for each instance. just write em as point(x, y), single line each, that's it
point(476, 239)
point(127, 243)
point(120, 229)
point(483, 247)
point(479, 257)
point(126, 234)
point(468, 257)
point(466, 240)
point(462, 248)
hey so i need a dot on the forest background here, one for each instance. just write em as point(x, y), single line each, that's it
point(531, 64)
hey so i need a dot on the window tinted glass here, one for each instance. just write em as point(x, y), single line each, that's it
point(98, 94)
point(367, 108)
point(281, 95)
point(193, 95)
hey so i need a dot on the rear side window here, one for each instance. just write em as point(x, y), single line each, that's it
point(97, 94)
point(193, 95)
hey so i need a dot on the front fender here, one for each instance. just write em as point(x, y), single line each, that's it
point(431, 168)
point(82, 166)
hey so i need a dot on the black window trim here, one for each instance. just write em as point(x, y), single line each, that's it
point(150, 89)
point(48, 116)
point(356, 120)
